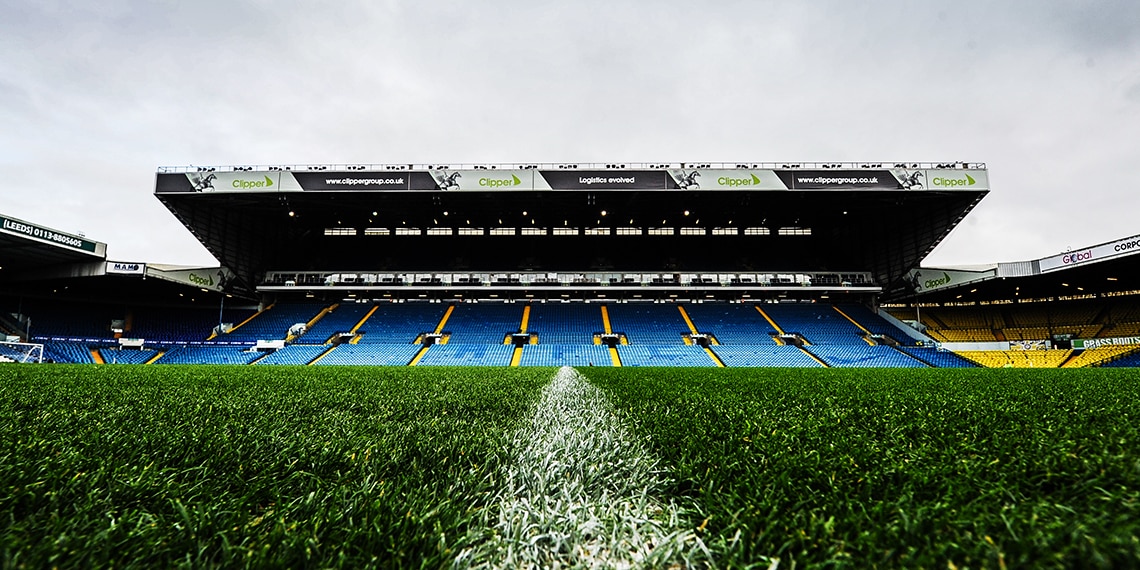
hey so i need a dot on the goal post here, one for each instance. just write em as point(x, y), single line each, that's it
point(21, 352)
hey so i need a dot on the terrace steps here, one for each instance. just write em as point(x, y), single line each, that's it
point(615, 358)
point(814, 357)
point(688, 321)
point(325, 353)
point(716, 359)
point(419, 355)
point(356, 337)
point(443, 319)
point(246, 321)
point(771, 322)
point(313, 321)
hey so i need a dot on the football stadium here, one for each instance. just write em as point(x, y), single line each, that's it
point(424, 365)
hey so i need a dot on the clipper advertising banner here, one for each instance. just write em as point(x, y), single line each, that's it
point(923, 280)
point(211, 278)
point(896, 179)
point(705, 179)
point(605, 179)
point(448, 180)
point(1126, 246)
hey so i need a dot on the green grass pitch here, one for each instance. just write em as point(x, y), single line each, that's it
point(200, 466)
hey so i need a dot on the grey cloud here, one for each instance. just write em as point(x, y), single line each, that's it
point(118, 88)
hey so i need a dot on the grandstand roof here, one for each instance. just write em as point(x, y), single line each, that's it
point(877, 218)
point(1102, 269)
point(26, 246)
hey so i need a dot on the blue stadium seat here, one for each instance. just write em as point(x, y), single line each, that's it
point(117, 356)
point(818, 323)
point(68, 352)
point(664, 355)
point(370, 354)
point(938, 358)
point(483, 323)
point(1130, 361)
point(763, 355)
point(732, 323)
point(207, 354)
point(467, 354)
point(340, 320)
point(565, 323)
point(855, 356)
point(565, 354)
point(294, 354)
point(396, 323)
point(274, 322)
point(648, 323)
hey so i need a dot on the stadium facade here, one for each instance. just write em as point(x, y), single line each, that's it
point(688, 264)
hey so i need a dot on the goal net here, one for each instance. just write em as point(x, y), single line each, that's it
point(21, 352)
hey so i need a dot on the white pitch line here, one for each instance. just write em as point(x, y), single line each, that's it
point(581, 493)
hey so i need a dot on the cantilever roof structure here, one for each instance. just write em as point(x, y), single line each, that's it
point(27, 246)
point(1102, 269)
point(877, 218)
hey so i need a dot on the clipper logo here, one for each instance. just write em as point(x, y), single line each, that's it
point(247, 184)
point(932, 283)
point(944, 182)
point(196, 279)
point(500, 182)
point(737, 182)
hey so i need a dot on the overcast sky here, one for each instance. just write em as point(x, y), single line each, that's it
point(94, 96)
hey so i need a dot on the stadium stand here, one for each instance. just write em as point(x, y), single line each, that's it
point(164, 325)
point(1084, 318)
point(117, 356)
point(483, 323)
point(1129, 361)
point(938, 358)
point(72, 320)
point(565, 354)
point(208, 354)
point(664, 355)
point(648, 323)
point(273, 322)
point(767, 355)
point(10, 354)
point(1017, 358)
point(732, 323)
point(873, 323)
point(341, 319)
point(564, 323)
point(370, 354)
point(816, 322)
point(854, 356)
point(468, 354)
point(68, 352)
point(293, 354)
point(1097, 356)
point(400, 322)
